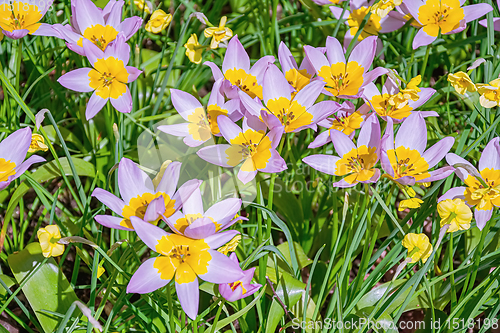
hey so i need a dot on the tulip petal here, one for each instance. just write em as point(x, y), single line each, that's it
point(77, 80)
point(364, 52)
point(216, 72)
point(15, 146)
point(170, 178)
point(316, 58)
point(275, 164)
point(453, 193)
point(146, 279)
point(228, 128)
point(236, 57)
point(453, 159)
point(224, 211)
point(95, 104)
point(308, 95)
point(422, 38)
point(132, 181)
point(342, 143)
point(119, 49)
point(194, 204)
point(87, 14)
point(334, 51)
point(473, 12)
point(20, 169)
point(184, 103)
point(286, 59)
point(413, 133)
point(437, 152)
point(324, 163)
point(221, 269)
point(322, 139)
point(113, 222)
point(217, 155)
point(188, 295)
point(275, 85)
point(369, 134)
point(246, 176)
point(155, 208)
point(124, 102)
point(490, 158)
point(110, 200)
point(438, 174)
point(148, 233)
point(200, 229)
point(482, 217)
point(185, 191)
point(130, 25)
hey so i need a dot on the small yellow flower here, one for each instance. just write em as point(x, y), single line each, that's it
point(194, 49)
point(490, 94)
point(219, 34)
point(409, 93)
point(48, 238)
point(409, 203)
point(100, 271)
point(144, 6)
point(461, 82)
point(455, 213)
point(383, 7)
point(158, 22)
point(37, 143)
point(418, 246)
point(231, 246)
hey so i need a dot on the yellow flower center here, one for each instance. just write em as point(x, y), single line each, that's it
point(358, 163)
point(246, 82)
point(7, 169)
point(213, 111)
point(484, 197)
point(341, 79)
point(408, 162)
point(381, 105)
point(297, 78)
point(253, 147)
point(100, 35)
point(109, 77)
point(188, 219)
point(290, 113)
point(19, 15)
point(138, 206)
point(235, 285)
point(440, 14)
point(183, 256)
point(372, 26)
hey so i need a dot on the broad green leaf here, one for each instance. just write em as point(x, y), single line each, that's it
point(419, 301)
point(48, 289)
point(302, 258)
point(289, 291)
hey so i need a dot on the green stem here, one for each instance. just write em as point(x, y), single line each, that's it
point(170, 309)
point(426, 59)
point(18, 62)
point(271, 193)
point(452, 277)
point(216, 320)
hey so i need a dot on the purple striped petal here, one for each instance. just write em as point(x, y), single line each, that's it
point(109, 221)
point(189, 296)
point(185, 191)
point(482, 217)
point(95, 104)
point(228, 128)
point(200, 229)
point(87, 14)
point(124, 102)
point(224, 211)
point(422, 38)
point(364, 52)
point(194, 204)
point(413, 133)
point(216, 155)
point(155, 208)
point(130, 25)
point(147, 278)
point(236, 57)
point(184, 103)
point(342, 143)
point(15, 146)
point(119, 49)
point(168, 183)
point(324, 163)
point(275, 85)
point(490, 158)
point(77, 80)
point(132, 181)
point(473, 12)
point(334, 51)
point(453, 193)
point(110, 200)
point(147, 232)
point(438, 151)
point(221, 269)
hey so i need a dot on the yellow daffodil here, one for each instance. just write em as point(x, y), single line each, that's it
point(419, 247)
point(409, 203)
point(455, 213)
point(37, 143)
point(411, 91)
point(383, 7)
point(231, 246)
point(144, 6)
point(461, 82)
point(48, 238)
point(194, 49)
point(490, 93)
point(158, 22)
point(219, 34)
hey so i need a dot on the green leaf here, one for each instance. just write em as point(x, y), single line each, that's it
point(48, 289)
point(9, 282)
point(230, 319)
point(289, 291)
point(302, 258)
